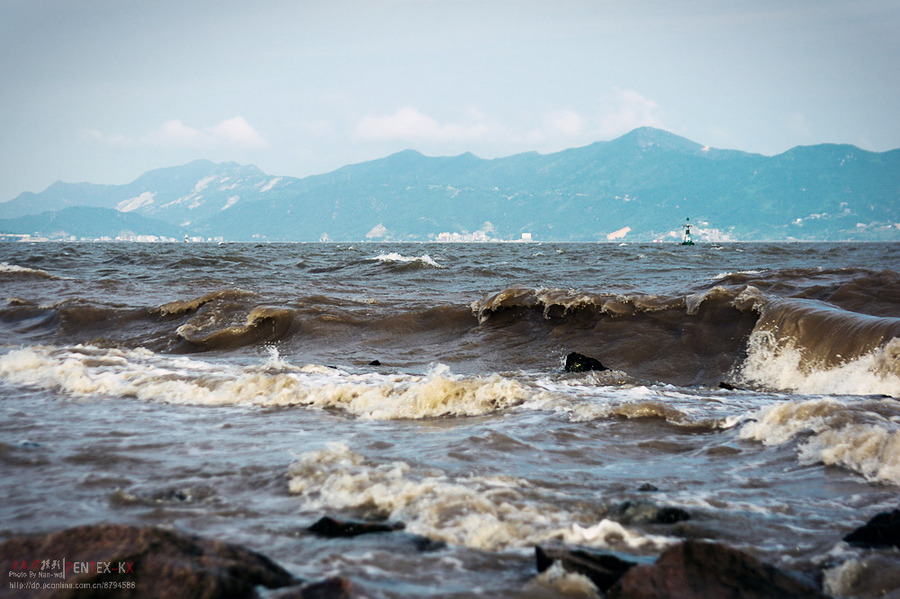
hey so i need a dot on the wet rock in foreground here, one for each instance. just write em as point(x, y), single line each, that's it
point(138, 562)
point(704, 570)
point(602, 569)
point(883, 530)
point(337, 587)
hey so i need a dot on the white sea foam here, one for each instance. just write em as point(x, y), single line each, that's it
point(784, 367)
point(394, 257)
point(562, 582)
point(868, 576)
point(608, 533)
point(863, 436)
point(487, 512)
point(84, 370)
point(613, 394)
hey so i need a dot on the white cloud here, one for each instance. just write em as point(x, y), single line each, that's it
point(565, 122)
point(117, 140)
point(613, 114)
point(235, 132)
point(410, 124)
point(624, 110)
point(176, 133)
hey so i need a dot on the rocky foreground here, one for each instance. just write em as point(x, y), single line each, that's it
point(128, 561)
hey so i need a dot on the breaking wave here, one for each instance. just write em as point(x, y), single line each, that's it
point(811, 347)
point(394, 258)
point(142, 374)
point(11, 270)
point(861, 435)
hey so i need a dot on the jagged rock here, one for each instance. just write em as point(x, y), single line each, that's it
point(603, 569)
point(151, 562)
point(576, 362)
point(703, 570)
point(883, 530)
point(327, 526)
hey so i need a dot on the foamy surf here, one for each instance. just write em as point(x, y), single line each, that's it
point(486, 512)
point(861, 435)
point(142, 374)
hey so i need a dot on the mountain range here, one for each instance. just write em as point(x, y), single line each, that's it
point(639, 187)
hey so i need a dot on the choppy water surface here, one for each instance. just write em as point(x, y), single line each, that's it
point(230, 391)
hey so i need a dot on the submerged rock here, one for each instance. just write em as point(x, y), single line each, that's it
point(883, 530)
point(603, 569)
point(576, 362)
point(703, 570)
point(140, 562)
point(645, 512)
point(326, 526)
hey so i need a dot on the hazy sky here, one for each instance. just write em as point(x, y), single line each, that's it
point(104, 90)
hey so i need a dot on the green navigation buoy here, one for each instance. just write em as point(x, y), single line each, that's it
point(686, 238)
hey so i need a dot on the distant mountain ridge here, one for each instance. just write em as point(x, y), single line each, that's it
point(639, 187)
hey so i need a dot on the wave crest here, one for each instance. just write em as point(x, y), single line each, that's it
point(394, 258)
point(810, 347)
point(11, 270)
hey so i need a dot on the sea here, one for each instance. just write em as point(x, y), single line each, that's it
point(243, 391)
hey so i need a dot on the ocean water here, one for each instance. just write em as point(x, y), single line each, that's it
point(242, 391)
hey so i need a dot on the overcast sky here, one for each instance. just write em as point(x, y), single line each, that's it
point(104, 90)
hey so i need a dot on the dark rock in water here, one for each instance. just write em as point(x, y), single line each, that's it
point(648, 488)
point(576, 362)
point(731, 386)
point(330, 588)
point(375, 363)
point(881, 531)
point(603, 569)
point(703, 570)
point(153, 562)
point(671, 515)
point(327, 526)
point(644, 512)
point(426, 544)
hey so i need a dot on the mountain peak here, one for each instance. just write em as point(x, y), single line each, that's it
point(646, 137)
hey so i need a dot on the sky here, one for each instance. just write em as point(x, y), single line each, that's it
point(105, 90)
